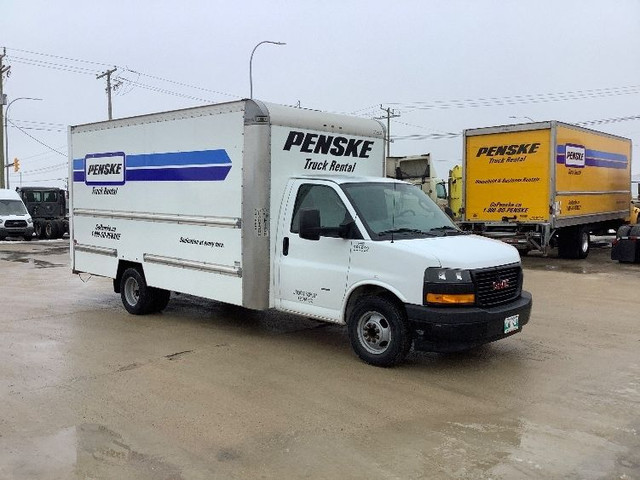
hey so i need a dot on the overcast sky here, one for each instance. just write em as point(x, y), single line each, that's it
point(442, 65)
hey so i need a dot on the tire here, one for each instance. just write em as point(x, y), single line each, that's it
point(38, 230)
point(136, 296)
point(583, 241)
point(574, 243)
point(379, 332)
point(60, 226)
point(28, 238)
point(50, 230)
point(159, 299)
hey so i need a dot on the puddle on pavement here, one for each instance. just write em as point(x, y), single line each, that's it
point(32, 257)
point(85, 451)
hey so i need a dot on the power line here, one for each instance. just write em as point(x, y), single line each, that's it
point(449, 135)
point(35, 139)
point(519, 99)
point(51, 65)
point(58, 56)
point(48, 168)
point(83, 70)
point(162, 90)
point(184, 84)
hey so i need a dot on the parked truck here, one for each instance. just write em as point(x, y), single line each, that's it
point(456, 191)
point(15, 220)
point(543, 184)
point(418, 170)
point(272, 207)
point(48, 208)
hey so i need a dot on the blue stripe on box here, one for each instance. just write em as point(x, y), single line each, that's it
point(203, 165)
point(596, 158)
point(185, 174)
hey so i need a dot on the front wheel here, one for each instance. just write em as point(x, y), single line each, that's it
point(379, 332)
point(136, 296)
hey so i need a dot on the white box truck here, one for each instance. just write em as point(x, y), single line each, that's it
point(272, 207)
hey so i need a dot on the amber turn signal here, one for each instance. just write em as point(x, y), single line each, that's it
point(451, 298)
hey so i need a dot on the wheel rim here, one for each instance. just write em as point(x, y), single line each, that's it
point(374, 332)
point(585, 242)
point(131, 291)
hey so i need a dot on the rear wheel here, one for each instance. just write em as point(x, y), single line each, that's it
point(379, 332)
point(584, 239)
point(574, 242)
point(51, 230)
point(136, 296)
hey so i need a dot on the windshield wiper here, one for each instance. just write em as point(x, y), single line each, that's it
point(448, 230)
point(405, 230)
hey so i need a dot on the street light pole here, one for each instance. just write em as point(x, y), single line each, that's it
point(6, 134)
point(251, 63)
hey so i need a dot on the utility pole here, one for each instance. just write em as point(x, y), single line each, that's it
point(3, 102)
point(108, 75)
point(390, 113)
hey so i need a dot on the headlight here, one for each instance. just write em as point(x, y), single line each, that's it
point(29, 220)
point(446, 286)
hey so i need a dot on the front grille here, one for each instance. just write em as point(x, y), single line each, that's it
point(495, 286)
point(15, 224)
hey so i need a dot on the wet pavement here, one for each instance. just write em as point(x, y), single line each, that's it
point(208, 391)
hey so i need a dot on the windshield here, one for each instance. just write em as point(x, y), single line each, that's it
point(398, 210)
point(12, 207)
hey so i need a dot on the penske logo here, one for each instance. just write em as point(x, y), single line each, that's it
point(328, 144)
point(105, 168)
point(515, 149)
point(574, 155)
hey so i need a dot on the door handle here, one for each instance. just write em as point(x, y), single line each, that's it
point(285, 246)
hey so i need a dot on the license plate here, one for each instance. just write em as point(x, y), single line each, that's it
point(511, 323)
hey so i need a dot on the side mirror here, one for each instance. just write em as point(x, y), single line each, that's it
point(309, 224)
point(348, 230)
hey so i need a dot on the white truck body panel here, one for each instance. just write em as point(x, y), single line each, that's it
point(193, 200)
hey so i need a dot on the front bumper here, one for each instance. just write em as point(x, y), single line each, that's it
point(16, 232)
point(451, 329)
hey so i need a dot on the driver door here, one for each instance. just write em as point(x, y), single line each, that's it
point(312, 274)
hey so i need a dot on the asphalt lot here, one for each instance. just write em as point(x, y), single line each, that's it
point(208, 391)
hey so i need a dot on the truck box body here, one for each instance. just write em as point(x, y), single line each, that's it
point(193, 192)
point(265, 206)
point(547, 174)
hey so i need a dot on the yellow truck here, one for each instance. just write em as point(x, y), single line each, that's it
point(545, 184)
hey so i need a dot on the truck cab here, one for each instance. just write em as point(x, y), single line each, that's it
point(48, 208)
point(341, 241)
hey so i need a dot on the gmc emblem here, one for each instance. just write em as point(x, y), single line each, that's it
point(501, 284)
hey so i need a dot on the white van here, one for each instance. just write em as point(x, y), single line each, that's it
point(273, 207)
point(15, 221)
